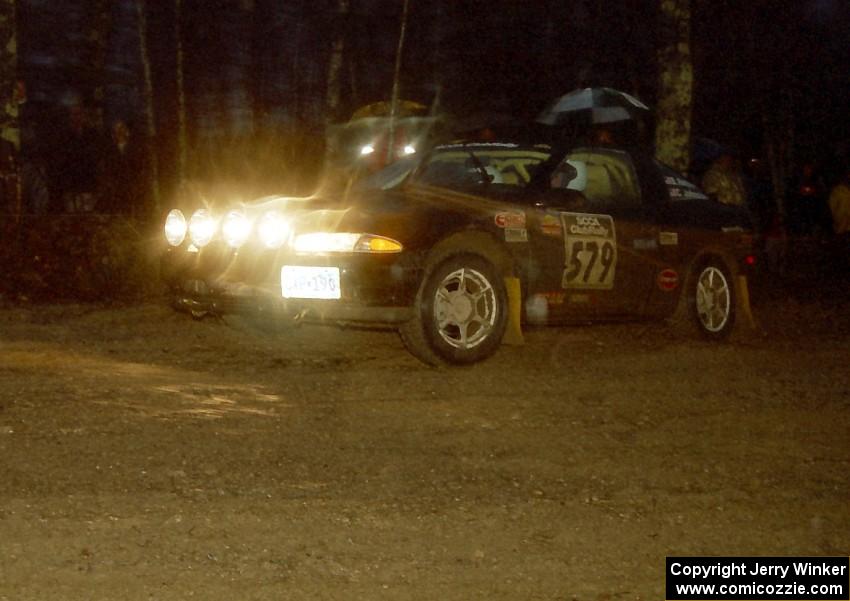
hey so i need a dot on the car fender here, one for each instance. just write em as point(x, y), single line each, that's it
point(706, 254)
point(477, 242)
point(717, 253)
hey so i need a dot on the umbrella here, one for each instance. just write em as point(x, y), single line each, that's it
point(600, 105)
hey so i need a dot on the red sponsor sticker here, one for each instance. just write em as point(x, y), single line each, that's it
point(510, 219)
point(668, 280)
point(554, 298)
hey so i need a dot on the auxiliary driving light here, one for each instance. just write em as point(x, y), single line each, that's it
point(273, 229)
point(236, 228)
point(201, 228)
point(175, 227)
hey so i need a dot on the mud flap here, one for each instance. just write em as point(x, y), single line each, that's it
point(744, 308)
point(513, 329)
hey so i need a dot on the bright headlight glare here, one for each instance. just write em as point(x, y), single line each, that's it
point(367, 149)
point(323, 242)
point(273, 229)
point(201, 228)
point(236, 228)
point(175, 227)
point(409, 149)
point(326, 242)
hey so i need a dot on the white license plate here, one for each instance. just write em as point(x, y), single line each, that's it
point(298, 281)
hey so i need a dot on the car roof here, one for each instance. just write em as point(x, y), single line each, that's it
point(491, 145)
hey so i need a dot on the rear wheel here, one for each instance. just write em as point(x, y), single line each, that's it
point(712, 300)
point(460, 313)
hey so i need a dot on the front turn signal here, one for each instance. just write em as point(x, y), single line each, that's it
point(377, 244)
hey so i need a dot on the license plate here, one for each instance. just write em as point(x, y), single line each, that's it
point(298, 281)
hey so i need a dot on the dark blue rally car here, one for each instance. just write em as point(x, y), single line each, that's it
point(453, 246)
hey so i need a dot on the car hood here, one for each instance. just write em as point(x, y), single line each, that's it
point(413, 215)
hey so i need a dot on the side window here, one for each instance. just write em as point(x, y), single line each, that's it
point(465, 165)
point(604, 176)
point(678, 188)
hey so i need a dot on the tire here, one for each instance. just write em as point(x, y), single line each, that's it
point(711, 300)
point(460, 312)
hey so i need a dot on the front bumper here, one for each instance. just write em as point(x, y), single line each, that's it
point(375, 289)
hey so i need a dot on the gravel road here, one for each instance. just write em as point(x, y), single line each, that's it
point(144, 455)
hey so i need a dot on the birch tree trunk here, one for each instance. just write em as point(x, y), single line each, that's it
point(11, 95)
point(779, 134)
point(239, 86)
point(97, 38)
point(332, 98)
point(396, 82)
point(440, 57)
point(676, 80)
point(182, 143)
point(150, 121)
point(9, 126)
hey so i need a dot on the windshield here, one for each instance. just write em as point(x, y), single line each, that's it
point(465, 165)
point(390, 176)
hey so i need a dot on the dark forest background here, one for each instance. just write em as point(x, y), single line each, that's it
point(238, 92)
point(766, 72)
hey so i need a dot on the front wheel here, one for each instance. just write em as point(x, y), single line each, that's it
point(712, 300)
point(460, 313)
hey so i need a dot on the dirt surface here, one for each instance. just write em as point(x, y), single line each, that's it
point(149, 456)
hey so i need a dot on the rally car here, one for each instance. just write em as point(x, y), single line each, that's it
point(475, 235)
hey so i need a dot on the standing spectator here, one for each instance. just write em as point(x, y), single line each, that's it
point(759, 195)
point(10, 129)
point(767, 221)
point(839, 205)
point(775, 240)
point(75, 159)
point(723, 181)
point(10, 146)
point(123, 173)
point(807, 210)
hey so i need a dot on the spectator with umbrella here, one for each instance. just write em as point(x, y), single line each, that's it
point(603, 115)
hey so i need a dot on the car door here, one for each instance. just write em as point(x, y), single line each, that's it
point(593, 240)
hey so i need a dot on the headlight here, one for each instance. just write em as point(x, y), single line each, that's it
point(175, 227)
point(409, 149)
point(367, 149)
point(273, 229)
point(236, 228)
point(201, 228)
point(324, 242)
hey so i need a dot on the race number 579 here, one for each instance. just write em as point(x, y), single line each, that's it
point(589, 263)
point(590, 247)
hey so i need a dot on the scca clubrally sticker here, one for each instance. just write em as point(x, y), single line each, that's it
point(590, 245)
